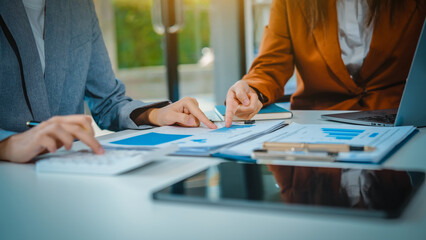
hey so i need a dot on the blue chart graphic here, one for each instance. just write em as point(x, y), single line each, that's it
point(341, 134)
point(233, 127)
point(373, 135)
point(150, 139)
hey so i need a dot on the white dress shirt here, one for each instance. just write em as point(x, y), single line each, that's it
point(36, 14)
point(354, 34)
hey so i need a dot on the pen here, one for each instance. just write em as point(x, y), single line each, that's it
point(31, 124)
point(249, 121)
point(268, 157)
point(315, 147)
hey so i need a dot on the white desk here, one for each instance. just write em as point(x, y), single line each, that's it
point(54, 206)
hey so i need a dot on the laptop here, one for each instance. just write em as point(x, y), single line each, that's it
point(412, 109)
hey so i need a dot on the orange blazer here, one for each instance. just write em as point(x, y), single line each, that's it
point(323, 81)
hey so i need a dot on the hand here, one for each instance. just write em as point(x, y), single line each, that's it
point(242, 101)
point(184, 112)
point(49, 136)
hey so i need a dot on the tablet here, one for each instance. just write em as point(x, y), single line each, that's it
point(362, 192)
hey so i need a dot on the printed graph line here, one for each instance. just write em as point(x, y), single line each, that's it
point(150, 139)
point(342, 133)
point(232, 128)
point(342, 130)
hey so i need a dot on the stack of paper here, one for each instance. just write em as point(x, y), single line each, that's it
point(194, 141)
point(384, 139)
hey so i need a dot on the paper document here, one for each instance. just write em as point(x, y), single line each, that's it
point(193, 141)
point(384, 139)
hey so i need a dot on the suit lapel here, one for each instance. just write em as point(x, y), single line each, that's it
point(327, 40)
point(384, 41)
point(16, 19)
point(57, 43)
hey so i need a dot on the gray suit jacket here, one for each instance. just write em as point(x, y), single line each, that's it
point(77, 70)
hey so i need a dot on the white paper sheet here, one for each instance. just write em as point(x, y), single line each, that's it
point(193, 141)
point(384, 139)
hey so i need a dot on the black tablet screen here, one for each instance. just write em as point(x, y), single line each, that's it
point(382, 193)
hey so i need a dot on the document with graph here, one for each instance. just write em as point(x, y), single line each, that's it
point(383, 139)
point(193, 141)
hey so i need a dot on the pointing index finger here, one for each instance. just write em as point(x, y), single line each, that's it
point(231, 108)
point(194, 110)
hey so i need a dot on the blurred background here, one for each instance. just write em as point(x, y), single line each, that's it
point(168, 49)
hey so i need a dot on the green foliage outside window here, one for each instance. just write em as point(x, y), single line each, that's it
point(137, 43)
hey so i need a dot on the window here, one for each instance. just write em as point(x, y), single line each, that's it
point(137, 51)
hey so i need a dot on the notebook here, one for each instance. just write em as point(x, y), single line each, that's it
point(409, 111)
point(270, 112)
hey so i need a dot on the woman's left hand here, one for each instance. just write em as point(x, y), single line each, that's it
point(184, 112)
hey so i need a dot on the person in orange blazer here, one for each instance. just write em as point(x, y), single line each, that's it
point(362, 189)
point(292, 42)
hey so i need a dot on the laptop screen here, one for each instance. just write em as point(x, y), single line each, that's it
point(411, 111)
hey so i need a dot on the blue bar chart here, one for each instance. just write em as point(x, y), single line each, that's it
point(341, 133)
point(231, 129)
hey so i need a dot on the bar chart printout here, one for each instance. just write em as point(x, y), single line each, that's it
point(342, 133)
point(384, 139)
point(192, 141)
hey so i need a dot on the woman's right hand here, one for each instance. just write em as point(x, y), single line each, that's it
point(49, 136)
point(241, 101)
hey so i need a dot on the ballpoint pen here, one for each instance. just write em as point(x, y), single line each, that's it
point(265, 156)
point(315, 147)
point(31, 124)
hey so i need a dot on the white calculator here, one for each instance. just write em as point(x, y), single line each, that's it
point(113, 162)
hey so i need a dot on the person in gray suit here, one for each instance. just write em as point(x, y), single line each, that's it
point(52, 59)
